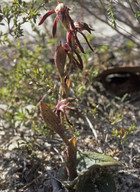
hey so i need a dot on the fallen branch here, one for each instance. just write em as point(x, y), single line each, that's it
point(121, 69)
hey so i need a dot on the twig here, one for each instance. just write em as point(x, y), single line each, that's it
point(127, 69)
point(136, 5)
point(22, 189)
point(126, 36)
point(5, 111)
point(91, 126)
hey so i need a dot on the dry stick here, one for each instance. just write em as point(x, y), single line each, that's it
point(131, 6)
point(22, 189)
point(82, 15)
point(127, 69)
point(133, 11)
point(5, 111)
point(128, 21)
point(96, 16)
point(136, 5)
point(129, 24)
point(103, 7)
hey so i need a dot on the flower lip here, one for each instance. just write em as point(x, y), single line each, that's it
point(80, 26)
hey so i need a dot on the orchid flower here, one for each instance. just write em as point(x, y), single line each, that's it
point(62, 13)
point(62, 107)
point(78, 62)
point(72, 27)
point(81, 26)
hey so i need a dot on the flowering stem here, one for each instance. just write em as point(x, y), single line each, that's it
point(71, 152)
point(55, 118)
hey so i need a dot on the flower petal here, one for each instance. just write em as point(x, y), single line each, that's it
point(67, 118)
point(69, 38)
point(72, 27)
point(78, 43)
point(63, 103)
point(55, 26)
point(62, 106)
point(77, 63)
point(86, 41)
point(87, 28)
point(80, 59)
point(45, 16)
point(80, 26)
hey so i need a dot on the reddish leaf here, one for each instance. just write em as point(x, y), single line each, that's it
point(53, 121)
point(60, 59)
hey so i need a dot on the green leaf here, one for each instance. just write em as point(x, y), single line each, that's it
point(91, 169)
point(93, 176)
point(88, 159)
point(137, 15)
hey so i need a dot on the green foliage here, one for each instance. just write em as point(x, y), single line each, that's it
point(130, 45)
point(90, 166)
point(123, 134)
point(111, 16)
point(13, 15)
point(116, 115)
point(29, 80)
point(103, 49)
point(137, 15)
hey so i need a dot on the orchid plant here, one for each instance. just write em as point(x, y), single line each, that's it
point(71, 50)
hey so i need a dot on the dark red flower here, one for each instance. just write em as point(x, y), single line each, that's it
point(76, 61)
point(81, 26)
point(72, 27)
point(62, 107)
point(62, 13)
